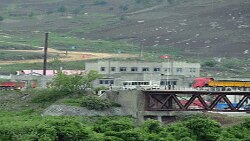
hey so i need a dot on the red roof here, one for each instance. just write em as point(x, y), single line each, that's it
point(165, 57)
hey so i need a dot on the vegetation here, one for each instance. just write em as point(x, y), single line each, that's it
point(74, 83)
point(16, 127)
point(1, 18)
point(95, 103)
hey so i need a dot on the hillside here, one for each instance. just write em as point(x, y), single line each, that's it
point(193, 30)
point(198, 28)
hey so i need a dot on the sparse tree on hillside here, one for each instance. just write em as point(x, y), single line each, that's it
point(31, 14)
point(76, 11)
point(62, 10)
point(100, 2)
point(1, 18)
point(124, 7)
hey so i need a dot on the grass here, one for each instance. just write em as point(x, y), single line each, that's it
point(11, 69)
point(18, 55)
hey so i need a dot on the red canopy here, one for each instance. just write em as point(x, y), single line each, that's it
point(165, 57)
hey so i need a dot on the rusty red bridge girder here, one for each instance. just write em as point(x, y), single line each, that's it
point(171, 100)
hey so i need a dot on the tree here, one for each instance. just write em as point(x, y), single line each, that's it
point(74, 83)
point(204, 128)
point(1, 18)
point(62, 10)
point(124, 7)
point(56, 63)
point(76, 11)
point(31, 14)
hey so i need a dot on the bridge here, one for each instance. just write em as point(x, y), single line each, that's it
point(164, 105)
point(171, 100)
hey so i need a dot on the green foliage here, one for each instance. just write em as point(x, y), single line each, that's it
point(204, 128)
point(232, 63)
point(74, 83)
point(19, 55)
point(1, 18)
point(97, 89)
point(179, 131)
point(152, 126)
point(76, 11)
point(19, 127)
point(47, 95)
point(115, 126)
point(31, 14)
point(124, 7)
point(100, 2)
point(62, 9)
point(43, 129)
point(129, 135)
point(95, 103)
point(209, 64)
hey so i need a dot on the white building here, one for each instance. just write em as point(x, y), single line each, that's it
point(167, 74)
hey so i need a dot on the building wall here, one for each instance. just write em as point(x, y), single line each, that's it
point(119, 71)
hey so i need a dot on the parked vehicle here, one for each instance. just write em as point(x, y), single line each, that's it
point(140, 85)
point(11, 85)
point(222, 85)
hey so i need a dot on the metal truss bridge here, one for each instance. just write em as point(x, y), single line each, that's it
point(171, 100)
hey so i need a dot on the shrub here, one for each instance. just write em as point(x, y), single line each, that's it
point(1, 18)
point(47, 95)
point(100, 2)
point(95, 103)
point(115, 126)
point(209, 64)
point(129, 135)
point(204, 128)
point(69, 130)
point(152, 126)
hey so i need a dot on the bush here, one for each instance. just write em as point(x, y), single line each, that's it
point(129, 135)
point(95, 103)
point(204, 128)
point(115, 126)
point(47, 95)
point(100, 2)
point(209, 64)
point(152, 126)
point(1, 18)
point(68, 130)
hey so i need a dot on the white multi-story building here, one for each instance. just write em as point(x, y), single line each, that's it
point(170, 74)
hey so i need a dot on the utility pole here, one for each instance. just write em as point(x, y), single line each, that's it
point(45, 54)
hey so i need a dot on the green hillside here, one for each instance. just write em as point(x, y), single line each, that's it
point(193, 30)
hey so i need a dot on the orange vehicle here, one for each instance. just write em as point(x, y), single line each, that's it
point(226, 85)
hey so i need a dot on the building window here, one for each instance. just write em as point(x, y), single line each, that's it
point(123, 69)
point(178, 69)
point(157, 69)
point(102, 69)
point(106, 81)
point(111, 82)
point(145, 69)
point(101, 82)
point(192, 69)
point(112, 68)
point(167, 69)
point(134, 69)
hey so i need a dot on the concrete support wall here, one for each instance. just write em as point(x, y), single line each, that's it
point(133, 103)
